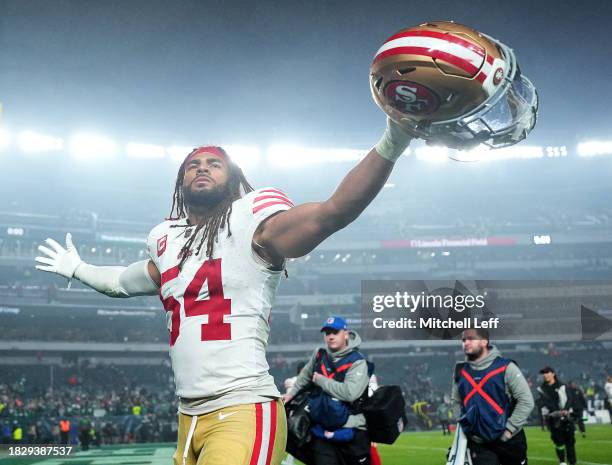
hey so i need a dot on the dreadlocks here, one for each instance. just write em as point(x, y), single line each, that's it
point(217, 218)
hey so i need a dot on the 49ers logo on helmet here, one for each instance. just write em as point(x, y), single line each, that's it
point(498, 76)
point(410, 97)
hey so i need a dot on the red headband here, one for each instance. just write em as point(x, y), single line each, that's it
point(207, 149)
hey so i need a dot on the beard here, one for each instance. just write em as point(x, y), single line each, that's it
point(204, 199)
point(475, 353)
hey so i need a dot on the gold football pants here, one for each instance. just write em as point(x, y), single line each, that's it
point(249, 434)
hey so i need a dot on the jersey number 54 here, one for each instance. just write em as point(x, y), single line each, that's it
point(216, 306)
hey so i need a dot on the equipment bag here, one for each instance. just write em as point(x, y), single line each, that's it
point(385, 414)
point(298, 428)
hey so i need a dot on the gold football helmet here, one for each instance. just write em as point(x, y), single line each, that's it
point(450, 84)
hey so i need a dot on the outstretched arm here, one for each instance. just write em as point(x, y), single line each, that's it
point(140, 278)
point(297, 231)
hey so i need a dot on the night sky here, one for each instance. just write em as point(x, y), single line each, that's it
point(257, 72)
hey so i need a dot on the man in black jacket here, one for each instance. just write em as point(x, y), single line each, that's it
point(581, 406)
point(558, 406)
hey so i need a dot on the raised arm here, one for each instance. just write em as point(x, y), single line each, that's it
point(140, 278)
point(297, 231)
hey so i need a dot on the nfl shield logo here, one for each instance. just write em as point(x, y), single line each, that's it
point(161, 245)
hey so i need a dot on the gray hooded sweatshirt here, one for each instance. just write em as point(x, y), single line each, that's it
point(356, 379)
point(516, 388)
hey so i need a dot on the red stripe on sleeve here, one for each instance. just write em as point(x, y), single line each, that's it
point(273, 191)
point(275, 196)
point(270, 204)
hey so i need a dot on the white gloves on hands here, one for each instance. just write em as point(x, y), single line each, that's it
point(57, 259)
point(394, 141)
point(114, 281)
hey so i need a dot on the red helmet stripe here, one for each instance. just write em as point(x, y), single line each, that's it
point(485, 70)
point(437, 54)
point(440, 35)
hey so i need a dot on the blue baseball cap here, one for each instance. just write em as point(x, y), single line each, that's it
point(334, 322)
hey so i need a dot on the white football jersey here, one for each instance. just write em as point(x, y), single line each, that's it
point(218, 310)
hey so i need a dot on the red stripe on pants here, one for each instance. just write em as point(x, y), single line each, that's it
point(273, 407)
point(258, 434)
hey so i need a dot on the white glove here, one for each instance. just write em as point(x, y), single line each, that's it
point(114, 281)
point(57, 259)
point(394, 141)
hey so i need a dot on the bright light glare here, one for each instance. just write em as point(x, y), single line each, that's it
point(30, 142)
point(432, 154)
point(179, 152)
point(595, 148)
point(484, 153)
point(90, 146)
point(244, 155)
point(5, 138)
point(145, 151)
point(556, 151)
point(292, 155)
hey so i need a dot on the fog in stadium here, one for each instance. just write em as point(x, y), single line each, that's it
point(101, 101)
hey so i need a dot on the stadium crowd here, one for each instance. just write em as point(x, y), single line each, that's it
point(98, 405)
point(106, 404)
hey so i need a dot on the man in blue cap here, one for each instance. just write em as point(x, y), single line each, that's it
point(340, 376)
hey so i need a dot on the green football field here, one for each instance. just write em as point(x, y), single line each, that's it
point(410, 449)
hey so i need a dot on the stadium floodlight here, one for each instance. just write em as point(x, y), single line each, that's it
point(5, 138)
point(179, 152)
point(286, 155)
point(32, 142)
point(542, 239)
point(145, 151)
point(556, 151)
point(594, 148)
point(87, 146)
point(432, 154)
point(244, 155)
point(483, 153)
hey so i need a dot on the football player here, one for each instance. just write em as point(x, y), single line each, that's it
point(216, 264)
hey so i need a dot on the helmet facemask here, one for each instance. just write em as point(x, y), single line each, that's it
point(504, 119)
